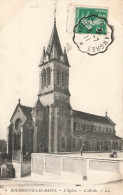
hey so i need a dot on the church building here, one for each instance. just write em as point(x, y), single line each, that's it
point(52, 125)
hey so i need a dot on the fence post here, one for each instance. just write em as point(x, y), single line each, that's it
point(86, 169)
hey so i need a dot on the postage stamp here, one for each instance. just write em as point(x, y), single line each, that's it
point(93, 20)
point(92, 32)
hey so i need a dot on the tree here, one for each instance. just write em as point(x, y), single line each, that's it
point(3, 145)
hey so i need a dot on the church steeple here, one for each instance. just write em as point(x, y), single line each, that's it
point(54, 49)
point(54, 71)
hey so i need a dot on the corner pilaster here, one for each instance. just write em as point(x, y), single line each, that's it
point(56, 113)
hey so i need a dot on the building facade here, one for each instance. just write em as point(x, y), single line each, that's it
point(52, 125)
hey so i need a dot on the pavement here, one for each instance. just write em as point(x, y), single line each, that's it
point(26, 186)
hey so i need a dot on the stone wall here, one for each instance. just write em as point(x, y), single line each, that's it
point(62, 165)
point(26, 169)
point(75, 165)
point(37, 164)
point(102, 165)
point(53, 164)
point(21, 169)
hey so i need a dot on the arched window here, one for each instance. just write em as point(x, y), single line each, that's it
point(44, 79)
point(87, 127)
point(95, 129)
point(100, 129)
point(18, 124)
point(16, 142)
point(75, 126)
point(107, 130)
point(92, 127)
point(48, 76)
point(113, 131)
point(66, 80)
point(58, 77)
point(62, 143)
point(84, 127)
point(78, 126)
point(63, 79)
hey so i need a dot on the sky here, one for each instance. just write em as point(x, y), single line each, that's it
point(95, 81)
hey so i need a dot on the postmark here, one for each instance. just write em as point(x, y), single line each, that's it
point(92, 32)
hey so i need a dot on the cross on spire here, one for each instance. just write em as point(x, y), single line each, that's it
point(19, 101)
point(55, 14)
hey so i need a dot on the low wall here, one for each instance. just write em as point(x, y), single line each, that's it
point(37, 164)
point(104, 165)
point(53, 164)
point(42, 164)
point(74, 165)
point(57, 164)
point(17, 167)
point(26, 169)
point(21, 168)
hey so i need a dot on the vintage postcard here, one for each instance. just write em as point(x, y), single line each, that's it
point(61, 107)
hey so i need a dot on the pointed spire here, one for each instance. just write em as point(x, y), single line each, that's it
point(38, 104)
point(54, 54)
point(65, 57)
point(54, 50)
point(43, 56)
point(54, 42)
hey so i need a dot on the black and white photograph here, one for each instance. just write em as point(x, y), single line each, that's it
point(61, 106)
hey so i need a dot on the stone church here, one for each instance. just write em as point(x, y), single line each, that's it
point(51, 125)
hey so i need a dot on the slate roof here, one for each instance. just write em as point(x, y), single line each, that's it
point(10, 125)
point(92, 117)
point(54, 42)
point(96, 134)
point(27, 110)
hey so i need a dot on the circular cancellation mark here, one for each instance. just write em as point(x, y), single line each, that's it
point(93, 35)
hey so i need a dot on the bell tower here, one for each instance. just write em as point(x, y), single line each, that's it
point(54, 72)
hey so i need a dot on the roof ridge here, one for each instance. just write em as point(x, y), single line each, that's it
point(92, 117)
point(25, 106)
point(89, 113)
point(90, 133)
point(110, 119)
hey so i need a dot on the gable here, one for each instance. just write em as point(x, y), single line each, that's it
point(22, 112)
point(18, 114)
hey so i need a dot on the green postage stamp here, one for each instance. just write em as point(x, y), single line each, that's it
point(92, 32)
point(93, 20)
